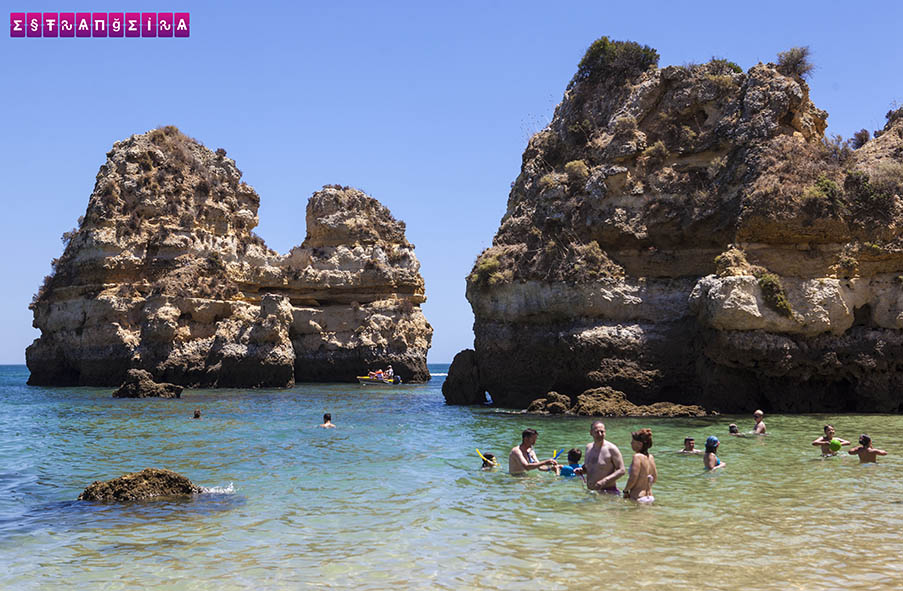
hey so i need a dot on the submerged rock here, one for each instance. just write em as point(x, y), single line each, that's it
point(138, 384)
point(689, 234)
point(164, 274)
point(607, 402)
point(147, 484)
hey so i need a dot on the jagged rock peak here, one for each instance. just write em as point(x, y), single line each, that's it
point(164, 274)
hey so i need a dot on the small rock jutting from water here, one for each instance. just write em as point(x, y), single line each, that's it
point(608, 402)
point(139, 384)
point(148, 484)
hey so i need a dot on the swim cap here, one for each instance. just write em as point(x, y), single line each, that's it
point(835, 444)
point(711, 441)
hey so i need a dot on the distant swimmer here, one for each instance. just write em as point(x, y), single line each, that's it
point(642, 469)
point(759, 429)
point(829, 444)
point(604, 464)
point(197, 413)
point(732, 429)
point(327, 422)
point(867, 454)
point(689, 446)
point(523, 458)
point(710, 460)
point(570, 470)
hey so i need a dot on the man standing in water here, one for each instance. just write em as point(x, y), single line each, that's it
point(759, 429)
point(604, 464)
point(523, 458)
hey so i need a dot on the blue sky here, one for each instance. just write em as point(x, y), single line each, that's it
point(427, 106)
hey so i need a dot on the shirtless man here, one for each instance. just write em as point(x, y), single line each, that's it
point(327, 422)
point(867, 454)
point(825, 441)
point(523, 458)
point(759, 429)
point(604, 464)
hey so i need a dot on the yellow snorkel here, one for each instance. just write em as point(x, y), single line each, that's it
point(491, 462)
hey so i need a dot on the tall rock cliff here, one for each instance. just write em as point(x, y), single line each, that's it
point(164, 274)
point(688, 234)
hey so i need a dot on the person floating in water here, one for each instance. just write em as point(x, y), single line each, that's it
point(574, 456)
point(604, 464)
point(732, 429)
point(489, 461)
point(828, 443)
point(642, 469)
point(710, 460)
point(759, 428)
point(327, 422)
point(867, 454)
point(523, 458)
point(197, 413)
point(689, 446)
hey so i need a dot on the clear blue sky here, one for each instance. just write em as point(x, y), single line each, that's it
point(427, 106)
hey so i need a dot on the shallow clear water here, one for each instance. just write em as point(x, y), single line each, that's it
point(394, 498)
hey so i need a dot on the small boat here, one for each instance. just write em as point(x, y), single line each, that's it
point(367, 380)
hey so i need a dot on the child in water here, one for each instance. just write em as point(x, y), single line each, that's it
point(825, 442)
point(709, 459)
point(489, 462)
point(573, 463)
point(867, 454)
point(642, 468)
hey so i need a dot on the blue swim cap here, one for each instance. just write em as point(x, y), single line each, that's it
point(711, 441)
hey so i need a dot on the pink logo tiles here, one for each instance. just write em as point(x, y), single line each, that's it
point(53, 25)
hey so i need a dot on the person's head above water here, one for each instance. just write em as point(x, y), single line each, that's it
point(865, 440)
point(643, 439)
point(197, 413)
point(597, 430)
point(829, 431)
point(689, 443)
point(711, 444)
point(732, 428)
point(758, 415)
point(528, 436)
point(489, 460)
point(327, 418)
point(574, 456)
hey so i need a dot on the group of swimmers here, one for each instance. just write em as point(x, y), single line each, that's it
point(604, 464)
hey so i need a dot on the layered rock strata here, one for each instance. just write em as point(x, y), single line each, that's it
point(689, 234)
point(164, 274)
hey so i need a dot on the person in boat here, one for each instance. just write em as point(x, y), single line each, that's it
point(642, 469)
point(523, 457)
point(389, 374)
point(376, 375)
point(604, 464)
point(327, 422)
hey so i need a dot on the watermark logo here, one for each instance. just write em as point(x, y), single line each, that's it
point(52, 25)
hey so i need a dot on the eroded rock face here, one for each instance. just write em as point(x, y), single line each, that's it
point(686, 234)
point(139, 384)
point(164, 274)
point(139, 486)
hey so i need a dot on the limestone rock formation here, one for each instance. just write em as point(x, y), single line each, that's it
point(607, 402)
point(139, 384)
point(139, 486)
point(164, 274)
point(689, 234)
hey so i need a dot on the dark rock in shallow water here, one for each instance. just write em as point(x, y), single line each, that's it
point(462, 385)
point(138, 384)
point(608, 402)
point(147, 484)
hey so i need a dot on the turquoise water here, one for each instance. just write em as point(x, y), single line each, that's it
point(394, 498)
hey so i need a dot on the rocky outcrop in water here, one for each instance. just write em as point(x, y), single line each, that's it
point(689, 234)
point(139, 384)
point(139, 486)
point(164, 274)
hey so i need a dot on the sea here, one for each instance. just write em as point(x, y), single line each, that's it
point(394, 497)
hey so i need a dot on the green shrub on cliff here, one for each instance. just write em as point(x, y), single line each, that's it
point(860, 138)
point(723, 66)
point(773, 294)
point(656, 153)
point(614, 59)
point(795, 62)
point(824, 188)
point(484, 269)
point(577, 171)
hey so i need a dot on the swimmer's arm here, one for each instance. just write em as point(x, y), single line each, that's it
point(654, 470)
point(855, 450)
point(843, 441)
point(880, 452)
point(632, 478)
point(820, 441)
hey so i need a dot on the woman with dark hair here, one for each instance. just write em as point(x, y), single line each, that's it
point(710, 460)
point(642, 468)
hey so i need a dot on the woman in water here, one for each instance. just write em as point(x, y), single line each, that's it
point(642, 469)
point(710, 460)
